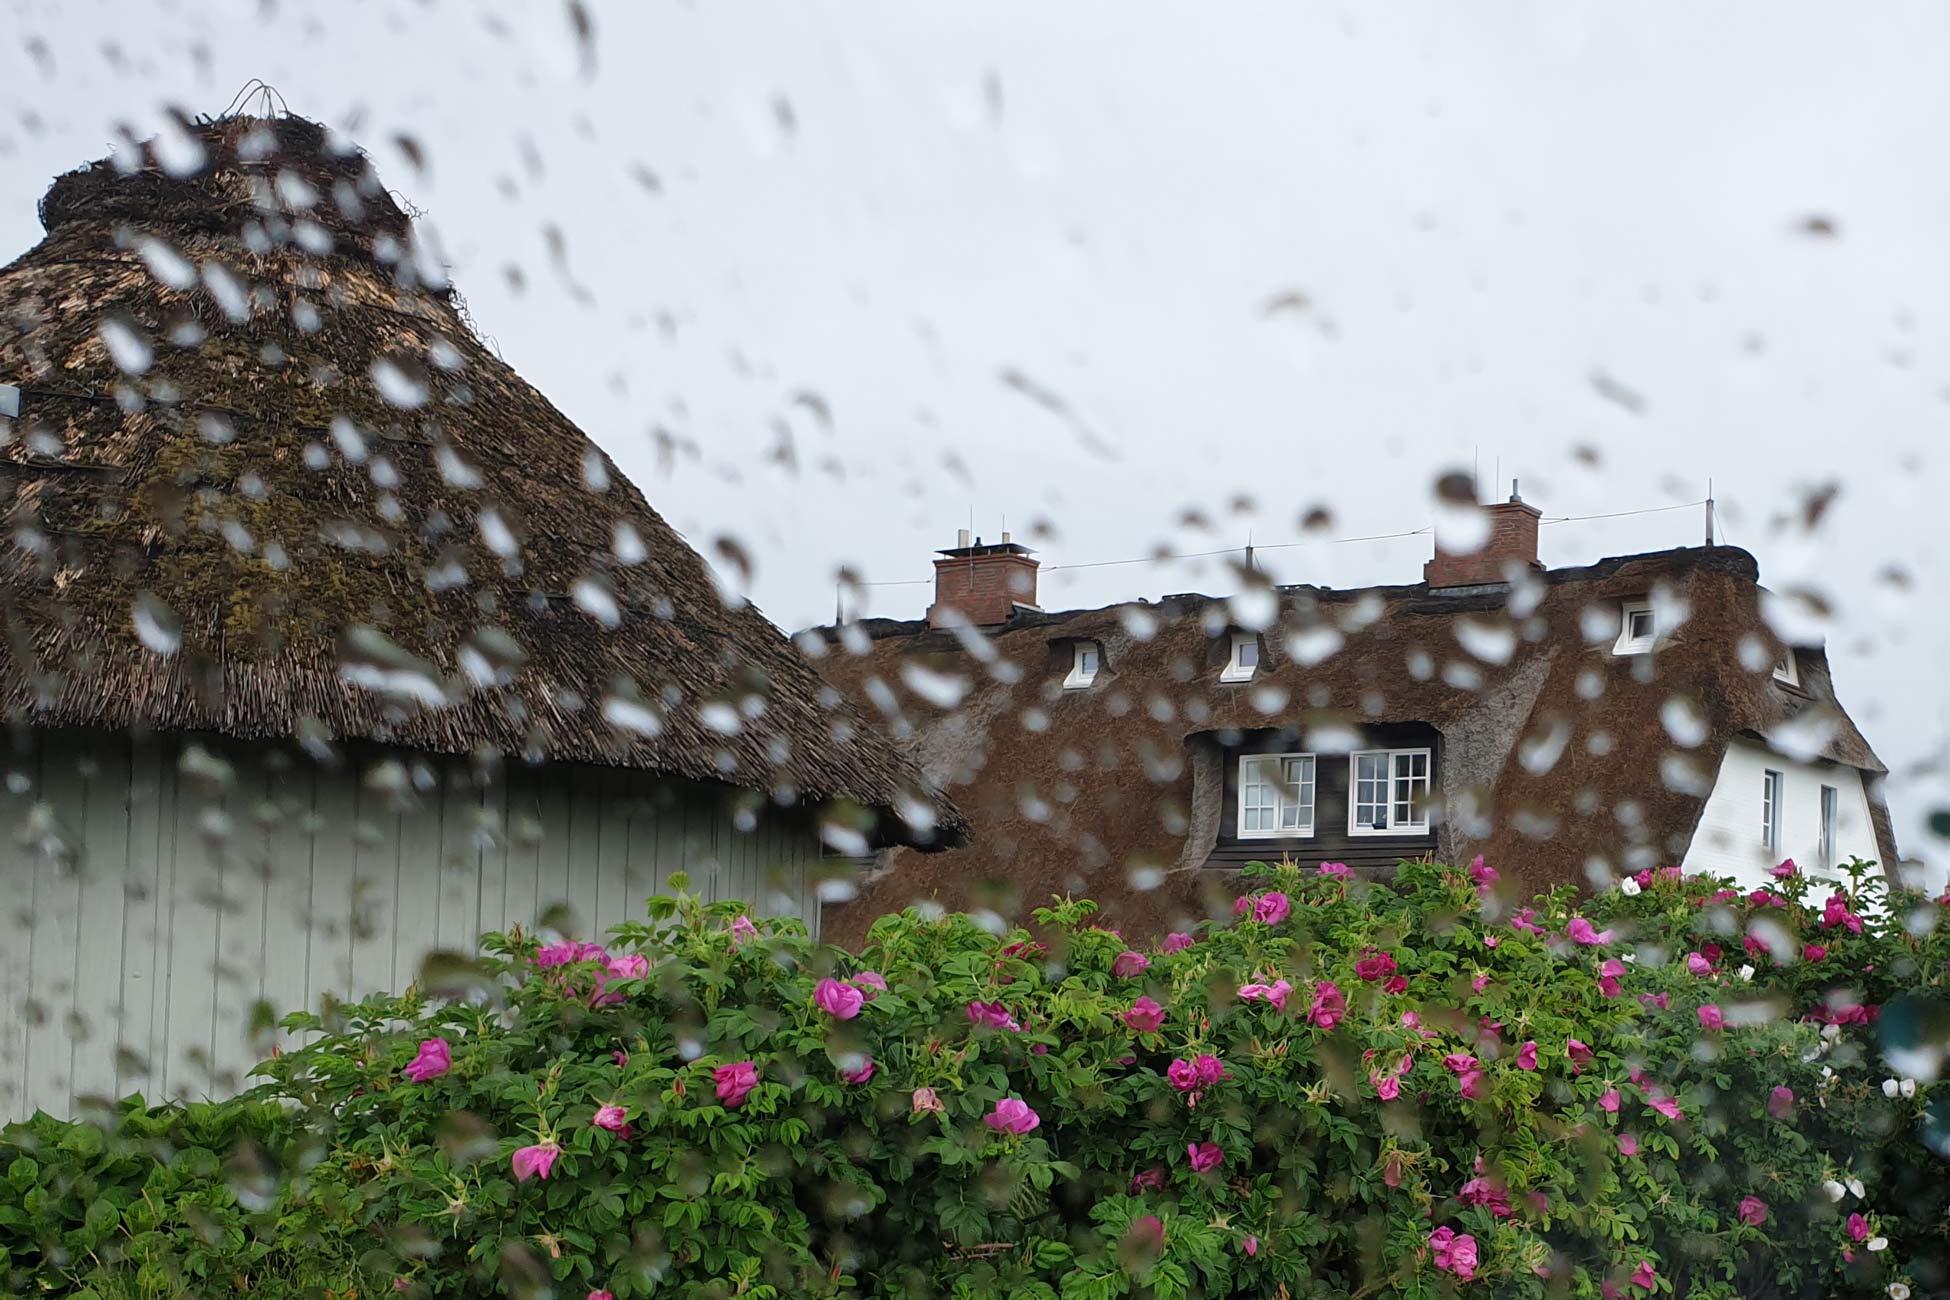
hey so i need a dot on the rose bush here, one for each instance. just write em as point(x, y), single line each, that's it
point(1348, 1089)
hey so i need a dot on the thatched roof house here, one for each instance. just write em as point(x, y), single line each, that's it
point(1571, 725)
point(265, 485)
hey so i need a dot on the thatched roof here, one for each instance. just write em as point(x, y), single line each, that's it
point(265, 481)
point(1095, 792)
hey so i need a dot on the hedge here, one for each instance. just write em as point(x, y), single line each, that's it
point(1350, 1089)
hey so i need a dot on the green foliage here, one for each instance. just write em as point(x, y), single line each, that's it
point(813, 1178)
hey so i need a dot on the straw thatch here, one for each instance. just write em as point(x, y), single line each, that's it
point(1098, 792)
point(265, 481)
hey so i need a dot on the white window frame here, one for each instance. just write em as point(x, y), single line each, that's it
point(1785, 669)
point(1082, 675)
point(1773, 788)
point(1305, 805)
point(1831, 811)
point(1236, 670)
point(1628, 643)
point(1395, 778)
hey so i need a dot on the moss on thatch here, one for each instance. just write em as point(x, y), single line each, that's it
point(247, 416)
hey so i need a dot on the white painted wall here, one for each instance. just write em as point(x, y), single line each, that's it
point(1728, 841)
point(147, 907)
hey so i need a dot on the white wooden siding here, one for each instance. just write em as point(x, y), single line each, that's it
point(1728, 841)
point(148, 913)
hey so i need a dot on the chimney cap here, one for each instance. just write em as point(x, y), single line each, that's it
point(979, 547)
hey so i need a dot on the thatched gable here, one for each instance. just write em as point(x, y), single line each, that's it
point(265, 481)
point(1095, 791)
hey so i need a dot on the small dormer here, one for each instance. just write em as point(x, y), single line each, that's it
point(1243, 655)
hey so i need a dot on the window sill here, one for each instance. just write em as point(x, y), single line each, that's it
point(1392, 830)
point(1261, 836)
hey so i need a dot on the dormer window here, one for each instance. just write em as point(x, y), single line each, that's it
point(1785, 670)
point(1636, 629)
point(1087, 659)
point(1243, 660)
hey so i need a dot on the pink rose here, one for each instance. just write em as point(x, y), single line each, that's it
point(926, 1101)
point(1858, 1228)
point(1329, 1006)
point(1251, 1244)
point(1784, 871)
point(859, 1073)
point(1458, 1062)
point(1627, 1145)
point(1374, 966)
point(1753, 1211)
point(735, 1081)
point(1527, 1056)
point(1176, 941)
point(1275, 993)
point(1470, 1084)
point(1659, 1000)
point(631, 966)
point(535, 1161)
point(1395, 984)
point(1336, 870)
point(1148, 1180)
point(870, 983)
point(1664, 1105)
point(1454, 1253)
point(1643, 1277)
point(1780, 1102)
point(1205, 1156)
point(1612, 967)
point(841, 1001)
point(1182, 1075)
point(1482, 873)
point(1209, 1068)
point(1609, 1102)
point(1386, 1086)
point(1526, 920)
point(1711, 1017)
point(434, 1060)
point(1813, 952)
point(610, 1117)
point(1580, 931)
point(1835, 912)
point(994, 1015)
point(1577, 1053)
point(1145, 1016)
point(1608, 986)
point(1012, 1115)
point(601, 1295)
point(1129, 964)
point(1271, 909)
point(1481, 982)
point(742, 930)
point(1698, 965)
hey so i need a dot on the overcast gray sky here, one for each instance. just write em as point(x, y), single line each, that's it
point(1495, 231)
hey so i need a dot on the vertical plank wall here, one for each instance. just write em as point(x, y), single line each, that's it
point(160, 897)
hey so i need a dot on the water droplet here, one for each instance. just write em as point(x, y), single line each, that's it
point(720, 717)
point(454, 470)
point(498, 535)
point(943, 690)
point(1313, 645)
point(1140, 622)
point(595, 471)
point(230, 291)
point(401, 381)
point(1493, 643)
point(627, 544)
point(371, 659)
point(168, 266)
point(594, 598)
point(1683, 721)
point(631, 715)
point(351, 442)
point(157, 625)
point(1254, 608)
point(128, 346)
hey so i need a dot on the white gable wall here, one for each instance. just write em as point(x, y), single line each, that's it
point(1728, 841)
point(147, 906)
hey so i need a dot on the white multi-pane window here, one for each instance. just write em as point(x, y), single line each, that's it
point(1242, 661)
point(1087, 657)
point(1388, 792)
point(1276, 795)
point(1771, 783)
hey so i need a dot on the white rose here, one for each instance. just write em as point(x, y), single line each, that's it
point(1889, 1087)
point(1855, 1188)
point(1746, 972)
point(1898, 1291)
point(1831, 1031)
point(1908, 1087)
point(1878, 1243)
point(1834, 1189)
point(1629, 887)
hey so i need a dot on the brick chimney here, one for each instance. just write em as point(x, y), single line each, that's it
point(1512, 541)
point(984, 582)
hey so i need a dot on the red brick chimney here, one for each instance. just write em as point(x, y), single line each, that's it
point(1512, 541)
point(984, 583)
